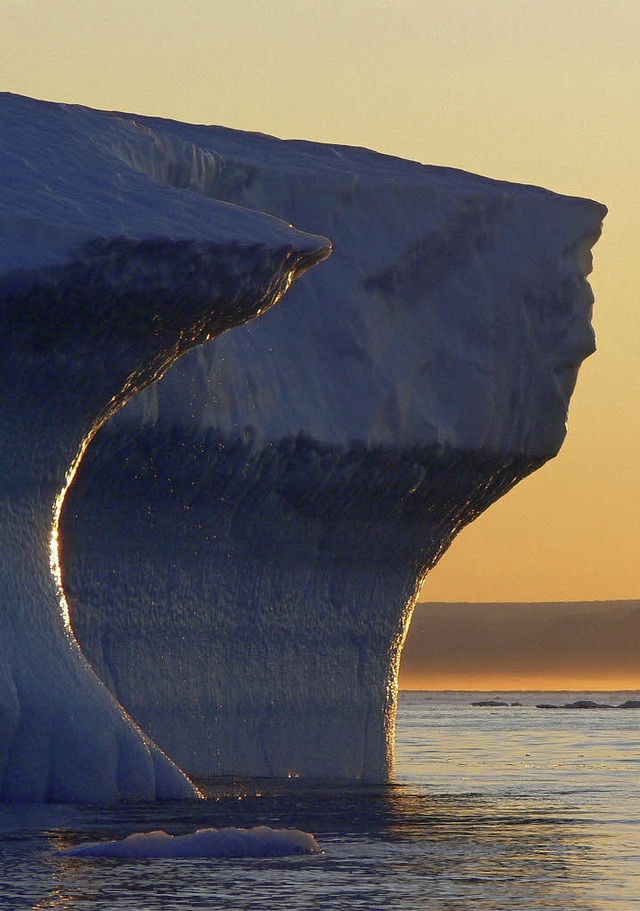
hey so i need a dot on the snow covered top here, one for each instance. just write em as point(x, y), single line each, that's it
point(454, 311)
point(66, 180)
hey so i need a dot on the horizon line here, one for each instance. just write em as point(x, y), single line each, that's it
point(517, 601)
point(516, 689)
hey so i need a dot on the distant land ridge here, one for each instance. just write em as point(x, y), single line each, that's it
point(552, 644)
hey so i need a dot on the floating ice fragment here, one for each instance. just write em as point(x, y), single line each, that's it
point(260, 841)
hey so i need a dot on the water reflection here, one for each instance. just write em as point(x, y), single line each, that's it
point(393, 847)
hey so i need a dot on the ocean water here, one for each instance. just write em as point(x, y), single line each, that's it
point(493, 809)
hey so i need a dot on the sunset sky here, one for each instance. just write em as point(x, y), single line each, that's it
point(544, 92)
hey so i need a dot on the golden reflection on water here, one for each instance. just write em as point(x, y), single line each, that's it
point(512, 809)
point(57, 899)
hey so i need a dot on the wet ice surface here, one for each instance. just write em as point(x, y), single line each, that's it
point(497, 808)
point(231, 841)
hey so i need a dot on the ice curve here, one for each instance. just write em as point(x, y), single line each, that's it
point(106, 278)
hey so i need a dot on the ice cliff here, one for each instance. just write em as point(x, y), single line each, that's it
point(106, 278)
point(245, 540)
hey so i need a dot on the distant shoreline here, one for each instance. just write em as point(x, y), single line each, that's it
point(510, 692)
point(598, 601)
point(537, 646)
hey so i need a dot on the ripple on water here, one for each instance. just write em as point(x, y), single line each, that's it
point(491, 811)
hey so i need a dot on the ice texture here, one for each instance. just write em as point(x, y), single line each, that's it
point(245, 540)
point(106, 278)
point(260, 841)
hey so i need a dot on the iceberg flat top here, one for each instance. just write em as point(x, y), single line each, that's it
point(70, 176)
point(455, 309)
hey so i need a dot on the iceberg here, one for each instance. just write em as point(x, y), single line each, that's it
point(211, 544)
point(106, 278)
point(244, 541)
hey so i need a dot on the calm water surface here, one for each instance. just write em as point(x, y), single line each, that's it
point(494, 809)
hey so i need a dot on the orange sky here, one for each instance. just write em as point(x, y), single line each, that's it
point(545, 93)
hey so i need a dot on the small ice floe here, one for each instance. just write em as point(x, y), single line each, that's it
point(231, 842)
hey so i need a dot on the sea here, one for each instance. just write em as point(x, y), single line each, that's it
point(493, 808)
